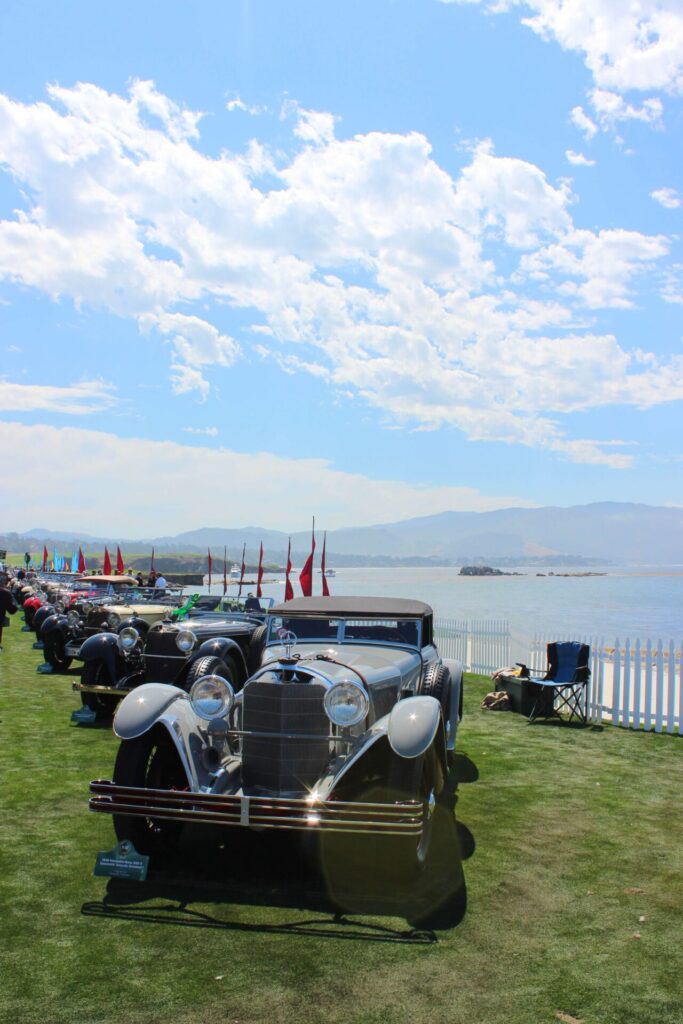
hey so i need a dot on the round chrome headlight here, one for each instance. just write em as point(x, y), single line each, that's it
point(185, 640)
point(346, 703)
point(128, 638)
point(73, 617)
point(59, 606)
point(113, 620)
point(212, 697)
point(87, 607)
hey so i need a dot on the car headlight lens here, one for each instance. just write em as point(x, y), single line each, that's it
point(212, 697)
point(73, 617)
point(113, 620)
point(185, 640)
point(59, 607)
point(128, 638)
point(346, 703)
point(87, 607)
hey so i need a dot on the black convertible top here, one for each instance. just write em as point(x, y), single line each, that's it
point(373, 607)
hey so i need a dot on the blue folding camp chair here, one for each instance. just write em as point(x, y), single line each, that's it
point(564, 685)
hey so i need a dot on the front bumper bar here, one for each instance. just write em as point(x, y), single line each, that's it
point(393, 819)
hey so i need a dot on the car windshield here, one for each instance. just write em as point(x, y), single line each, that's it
point(392, 631)
point(401, 631)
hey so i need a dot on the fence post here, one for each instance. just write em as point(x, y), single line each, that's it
point(626, 687)
point(647, 721)
point(616, 683)
point(659, 707)
point(601, 680)
point(637, 672)
point(671, 696)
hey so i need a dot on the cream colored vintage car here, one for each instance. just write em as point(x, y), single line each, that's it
point(129, 601)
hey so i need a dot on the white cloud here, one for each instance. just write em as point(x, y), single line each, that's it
point(625, 45)
point(185, 379)
point(202, 483)
point(85, 397)
point(610, 108)
point(578, 159)
point(202, 431)
point(583, 122)
point(667, 197)
point(672, 290)
point(237, 103)
point(197, 343)
point(604, 263)
point(368, 265)
point(315, 127)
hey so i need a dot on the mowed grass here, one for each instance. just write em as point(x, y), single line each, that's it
point(572, 839)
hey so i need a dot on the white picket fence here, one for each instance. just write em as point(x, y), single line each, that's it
point(637, 684)
point(482, 645)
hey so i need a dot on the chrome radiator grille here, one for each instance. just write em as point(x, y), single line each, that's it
point(279, 763)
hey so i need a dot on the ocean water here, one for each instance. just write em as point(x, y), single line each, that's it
point(627, 602)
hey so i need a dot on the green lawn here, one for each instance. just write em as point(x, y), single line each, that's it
point(573, 845)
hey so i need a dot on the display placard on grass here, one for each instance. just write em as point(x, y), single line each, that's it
point(122, 862)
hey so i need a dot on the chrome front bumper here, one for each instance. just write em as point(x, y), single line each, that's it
point(395, 819)
point(116, 691)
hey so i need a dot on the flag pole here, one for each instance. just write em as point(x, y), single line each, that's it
point(244, 551)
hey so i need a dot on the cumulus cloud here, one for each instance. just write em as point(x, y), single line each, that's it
point(87, 396)
point(583, 122)
point(578, 159)
point(634, 45)
point(439, 299)
point(610, 108)
point(597, 266)
point(197, 343)
point(255, 487)
point(237, 103)
point(666, 197)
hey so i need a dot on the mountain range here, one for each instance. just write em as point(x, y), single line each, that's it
point(608, 531)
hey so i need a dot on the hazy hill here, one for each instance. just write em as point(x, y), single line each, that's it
point(613, 531)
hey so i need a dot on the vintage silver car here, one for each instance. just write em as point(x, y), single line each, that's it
point(344, 732)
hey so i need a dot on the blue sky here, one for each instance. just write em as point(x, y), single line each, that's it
point(365, 260)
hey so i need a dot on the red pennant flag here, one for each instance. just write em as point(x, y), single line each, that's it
point(106, 568)
point(81, 561)
point(45, 558)
point(244, 569)
point(306, 574)
point(326, 589)
point(210, 564)
point(289, 589)
point(119, 561)
point(259, 592)
point(225, 570)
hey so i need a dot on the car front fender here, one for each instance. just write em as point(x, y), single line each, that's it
point(142, 707)
point(413, 725)
point(219, 647)
point(53, 623)
point(102, 647)
point(161, 705)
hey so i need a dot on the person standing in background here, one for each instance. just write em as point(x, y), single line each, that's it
point(8, 606)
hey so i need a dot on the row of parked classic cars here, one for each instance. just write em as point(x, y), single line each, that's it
point(331, 717)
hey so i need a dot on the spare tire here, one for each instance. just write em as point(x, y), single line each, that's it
point(257, 644)
point(436, 683)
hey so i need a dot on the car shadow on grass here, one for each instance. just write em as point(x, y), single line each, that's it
point(274, 871)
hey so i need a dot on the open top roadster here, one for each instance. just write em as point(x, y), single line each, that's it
point(345, 730)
